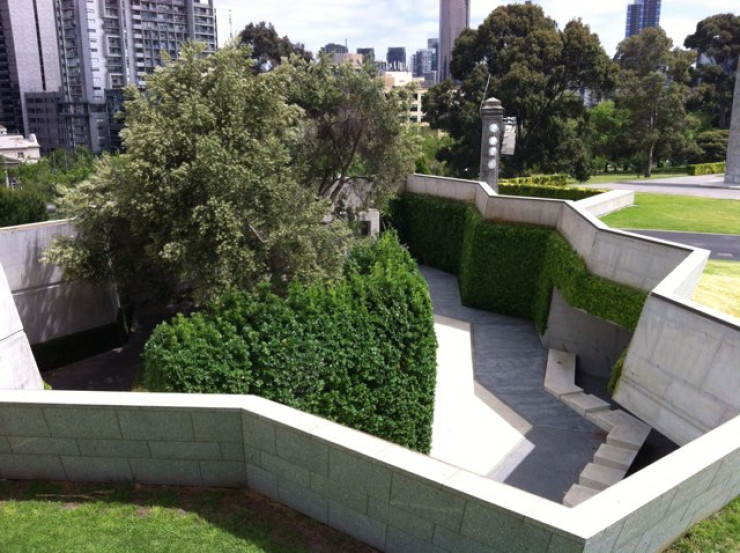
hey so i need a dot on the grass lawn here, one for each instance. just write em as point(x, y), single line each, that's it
point(718, 534)
point(621, 177)
point(681, 213)
point(61, 517)
point(719, 287)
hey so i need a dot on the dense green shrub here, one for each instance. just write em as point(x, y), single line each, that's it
point(432, 229)
point(706, 168)
point(360, 352)
point(545, 191)
point(500, 265)
point(19, 207)
point(542, 180)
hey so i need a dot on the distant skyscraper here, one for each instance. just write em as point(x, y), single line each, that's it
point(433, 45)
point(29, 58)
point(454, 18)
point(396, 59)
point(422, 62)
point(334, 48)
point(367, 53)
point(640, 15)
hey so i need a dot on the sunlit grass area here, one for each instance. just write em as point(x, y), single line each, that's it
point(681, 213)
point(718, 534)
point(719, 287)
point(622, 177)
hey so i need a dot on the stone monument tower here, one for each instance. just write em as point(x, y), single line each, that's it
point(732, 172)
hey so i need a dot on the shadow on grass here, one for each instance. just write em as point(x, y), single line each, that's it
point(257, 523)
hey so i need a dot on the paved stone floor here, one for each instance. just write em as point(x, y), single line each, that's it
point(509, 362)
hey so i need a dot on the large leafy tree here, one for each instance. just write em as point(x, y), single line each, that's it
point(269, 48)
point(206, 193)
point(653, 89)
point(354, 134)
point(716, 42)
point(519, 56)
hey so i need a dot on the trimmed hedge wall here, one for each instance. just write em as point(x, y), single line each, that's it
point(512, 269)
point(544, 191)
point(361, 352)
point(706, 168)
point(560, 179)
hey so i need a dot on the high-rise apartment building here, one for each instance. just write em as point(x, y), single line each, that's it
point(105, 45)
point(367, 53)
point(454, 18)
point(29, 59)
point(396, 58)
point(640, 15)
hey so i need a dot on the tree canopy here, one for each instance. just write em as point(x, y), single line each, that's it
point(519, 56)
point(207, 193)
point(653, 89)
point(268, 48)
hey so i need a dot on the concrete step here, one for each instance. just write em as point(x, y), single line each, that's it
point(599, 477)
point(615, 457)
point(578, 494)
point(629, 436)
point(560, 374)
point(585, 404)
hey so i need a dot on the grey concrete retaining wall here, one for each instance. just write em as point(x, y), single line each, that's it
point(48, 306)
point(391, 498)
point(18, 370)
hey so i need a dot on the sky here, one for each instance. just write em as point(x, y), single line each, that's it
point(384, 23)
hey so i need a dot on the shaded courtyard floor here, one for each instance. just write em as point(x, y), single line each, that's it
point(509, 364)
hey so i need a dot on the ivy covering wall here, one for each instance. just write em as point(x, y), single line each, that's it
point(361, 352)
point(507, 268)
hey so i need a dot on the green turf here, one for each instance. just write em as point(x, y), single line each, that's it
point(719, 287)
point(718, 534)
point(49, 518)
point(681, 213)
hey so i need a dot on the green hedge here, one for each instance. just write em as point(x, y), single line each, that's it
point(361, 352)
point(512, 269)
point(544, 191)
point(18, 207)
point(543, 180)
point(706, 168)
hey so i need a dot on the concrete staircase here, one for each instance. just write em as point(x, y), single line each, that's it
point(625, 433)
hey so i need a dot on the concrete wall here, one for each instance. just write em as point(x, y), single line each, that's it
point(391, 498)
point(18, 369)
point(48, 306)
point(597, 343)
point(732, 170)
point(681, 375)
point(608, 202)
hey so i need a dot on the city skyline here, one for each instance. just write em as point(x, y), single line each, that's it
point(381, 24)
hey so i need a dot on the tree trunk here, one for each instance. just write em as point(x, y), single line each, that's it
point(649, 161)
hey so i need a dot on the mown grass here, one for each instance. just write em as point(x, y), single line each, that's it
point(717, 534)
point(719, 287)
point(57, 517)
point(680, 213)
point(605, 178)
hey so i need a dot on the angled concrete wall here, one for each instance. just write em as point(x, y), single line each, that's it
point(387, 496)
point(48, 306)
point(18, 369)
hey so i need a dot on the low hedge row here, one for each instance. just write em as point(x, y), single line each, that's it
point(545, 191)
point(706, 168)
point(512, 269)
point(18, 207)
point(547, 180)
point(360, 352)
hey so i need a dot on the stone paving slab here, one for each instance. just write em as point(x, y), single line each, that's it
point(509, 362)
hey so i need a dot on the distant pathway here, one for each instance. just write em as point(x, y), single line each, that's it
point(510, 363)
point(725, 247)
point(705, 186)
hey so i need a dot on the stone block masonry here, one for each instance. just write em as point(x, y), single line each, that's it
point(387, 496)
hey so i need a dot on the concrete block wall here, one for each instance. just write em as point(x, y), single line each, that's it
point(48, 306)
point(18, 370)
point(387, 496)
point(682, 372)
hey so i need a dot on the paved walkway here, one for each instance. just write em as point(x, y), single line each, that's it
point(706, 186)
point(509, 363)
